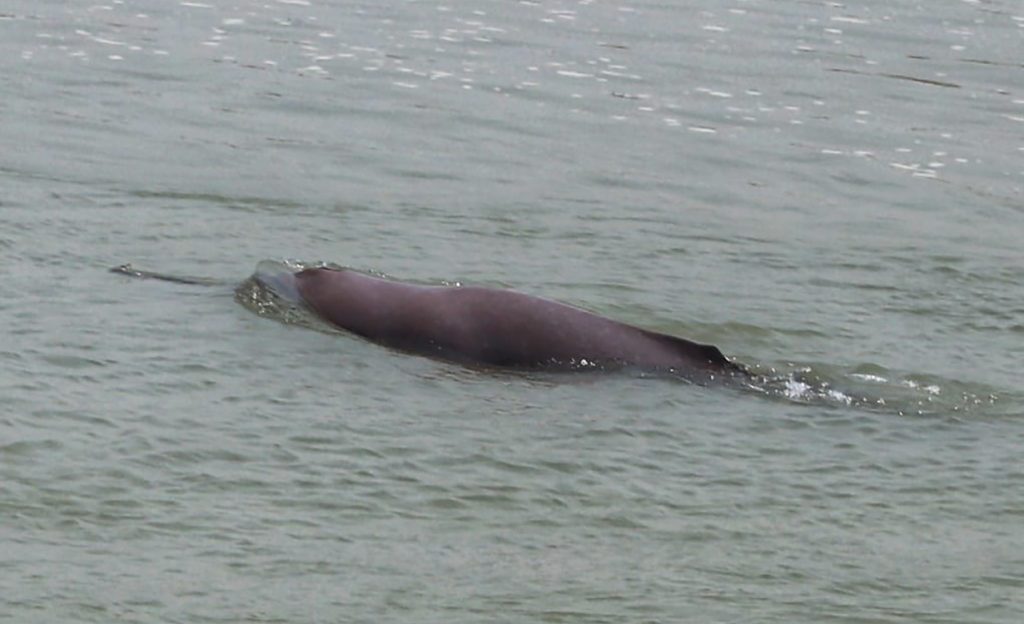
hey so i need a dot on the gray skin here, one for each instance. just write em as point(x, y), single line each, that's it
point(497, 328)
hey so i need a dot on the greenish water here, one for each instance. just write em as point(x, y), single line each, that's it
point(830, 193)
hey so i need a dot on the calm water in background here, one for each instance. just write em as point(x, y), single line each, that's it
point(830, 193)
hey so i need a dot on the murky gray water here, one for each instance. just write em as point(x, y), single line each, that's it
point(830, 193)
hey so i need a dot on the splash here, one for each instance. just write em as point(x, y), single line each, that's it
point(903, 394)
point(270, 292)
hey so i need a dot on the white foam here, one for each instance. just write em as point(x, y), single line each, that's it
point(868, 377)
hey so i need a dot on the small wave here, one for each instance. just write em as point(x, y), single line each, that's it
point(266, 293)
point(903, 394)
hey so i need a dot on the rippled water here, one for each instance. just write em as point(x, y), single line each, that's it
point(831, 193)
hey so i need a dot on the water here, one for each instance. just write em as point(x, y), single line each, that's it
point(830, 193)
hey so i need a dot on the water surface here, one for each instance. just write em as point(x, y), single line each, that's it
point(830, 193)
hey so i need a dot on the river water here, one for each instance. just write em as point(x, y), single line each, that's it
point(831, 193)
